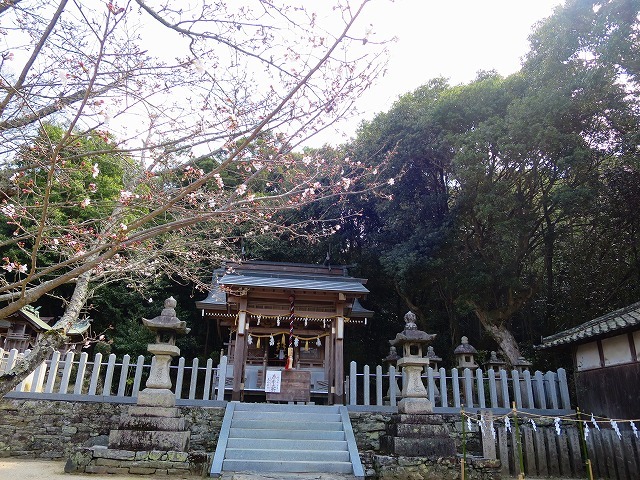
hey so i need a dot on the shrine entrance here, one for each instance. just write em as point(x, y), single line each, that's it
point(273, 313)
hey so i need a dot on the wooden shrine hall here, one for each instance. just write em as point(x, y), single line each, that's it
point(266, 308)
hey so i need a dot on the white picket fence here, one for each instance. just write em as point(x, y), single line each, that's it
point(108, 380)
point(450, 390)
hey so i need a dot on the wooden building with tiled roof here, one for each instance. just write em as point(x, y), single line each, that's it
point(607, 368)
point(254, 304)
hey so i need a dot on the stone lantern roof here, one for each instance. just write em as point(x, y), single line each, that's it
point(465, 348)
point(167, 320)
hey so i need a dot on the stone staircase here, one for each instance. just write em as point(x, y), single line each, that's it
point(264, 437)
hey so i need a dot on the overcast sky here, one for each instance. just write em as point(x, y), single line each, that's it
point(450, 38)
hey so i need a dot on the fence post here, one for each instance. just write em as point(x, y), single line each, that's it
point(353, 382)
point(124, 374)
point(138, 376)
point(66, 373)
point(11, 359)
point(529, 389)
point(367, 386)
point(468, 389)
point(504, 380)
point(108, 377)
point(23, 384)
point(542, 400)
point(431, 386)
point(194, 379)
point(53, 372)
point(95, 373)
point(180, 377)
point(443, 388)
point(379, 400)
point(82, 366)
point(493, 390)
point(564, 388)
point(517, 393)
point(38, 377)
point(207, 379)
point(455, 383)
point(393, 386)
point(222, 377)
point(550, 379)
point(482, 403)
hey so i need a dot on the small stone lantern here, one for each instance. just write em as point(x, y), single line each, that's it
point(414, 395)
point(166, 326)
point(434, 359)
point(494, 363)
point(522, 364)
point(465, 354)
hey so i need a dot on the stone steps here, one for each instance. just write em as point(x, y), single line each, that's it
point(286, 438)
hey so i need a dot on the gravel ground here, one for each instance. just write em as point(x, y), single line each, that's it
point(28, 469)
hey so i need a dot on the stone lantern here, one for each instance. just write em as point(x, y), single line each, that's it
point(494, 363)
point(465, 354)
point(166, 326)
point(522, 364)
point(434, 359)
point(391, 360)
point(414, 395)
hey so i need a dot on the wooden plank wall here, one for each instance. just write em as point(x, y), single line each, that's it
point(547, 454)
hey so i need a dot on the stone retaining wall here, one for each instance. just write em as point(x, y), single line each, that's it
point(55, 429)
point(62, 430)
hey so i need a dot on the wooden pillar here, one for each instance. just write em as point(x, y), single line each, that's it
point(328, 355)
point(240, 351)
point(339, 353)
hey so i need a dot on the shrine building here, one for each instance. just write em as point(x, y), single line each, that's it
point(260, 309)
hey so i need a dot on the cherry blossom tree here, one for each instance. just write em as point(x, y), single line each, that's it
point(205, 106)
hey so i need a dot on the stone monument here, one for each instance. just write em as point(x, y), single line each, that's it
point(151, 437)
point(414, 396)
point(415, 431)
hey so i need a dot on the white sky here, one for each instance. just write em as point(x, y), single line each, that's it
point(450, 38)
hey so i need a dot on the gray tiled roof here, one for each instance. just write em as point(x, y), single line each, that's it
point(338, 284)
point(604, 326)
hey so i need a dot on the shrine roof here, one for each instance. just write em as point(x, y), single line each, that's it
point(612, 323)
point(294, 282)
point(292, 276)
point(285, 276)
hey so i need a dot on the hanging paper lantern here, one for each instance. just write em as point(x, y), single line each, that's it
point(318, 342)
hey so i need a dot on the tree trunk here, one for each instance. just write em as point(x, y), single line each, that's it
point(81, 293)
point(503, 337)
point(48, 343)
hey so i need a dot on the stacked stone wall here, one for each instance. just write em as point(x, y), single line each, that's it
point(55, 429)
point(368, 428)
